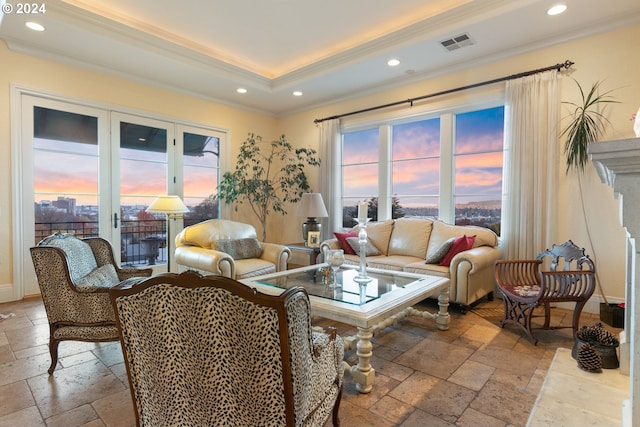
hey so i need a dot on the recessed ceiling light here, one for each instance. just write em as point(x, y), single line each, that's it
point(297, 93)
point(34, 26)
point(557, 9)
point(241, 90)
point(393, 62)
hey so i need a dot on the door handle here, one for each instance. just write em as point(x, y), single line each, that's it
point(115, 220)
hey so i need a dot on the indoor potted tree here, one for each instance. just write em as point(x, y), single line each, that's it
point(267, 176)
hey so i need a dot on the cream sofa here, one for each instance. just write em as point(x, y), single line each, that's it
point(405, 244)
point(228, 248)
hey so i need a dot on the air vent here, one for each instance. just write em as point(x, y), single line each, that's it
point(457, 42)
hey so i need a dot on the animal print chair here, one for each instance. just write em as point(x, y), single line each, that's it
point(74, 276)
point(210, 351)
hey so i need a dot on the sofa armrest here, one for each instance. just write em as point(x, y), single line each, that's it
point(472, 274)
point(328, 245)
point(277, 254)
point(480, 257)
point(210, 260)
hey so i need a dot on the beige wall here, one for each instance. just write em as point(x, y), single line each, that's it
point(80, 84)
point(610, 57)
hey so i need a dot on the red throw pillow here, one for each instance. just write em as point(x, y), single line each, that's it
point(342, 240)
point(462, 243)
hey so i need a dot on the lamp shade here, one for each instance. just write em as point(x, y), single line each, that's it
point(312, 206)
point(168, 205)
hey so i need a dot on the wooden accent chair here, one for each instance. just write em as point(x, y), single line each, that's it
point(74, 276)
point(211, 351)
point(562, 274)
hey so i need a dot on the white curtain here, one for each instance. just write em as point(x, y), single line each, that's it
point(330, 174)
point(529, 201)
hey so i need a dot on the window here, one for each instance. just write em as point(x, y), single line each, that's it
point(360, 160)
point(478, 168)
point(446, 166)
point(416, 168)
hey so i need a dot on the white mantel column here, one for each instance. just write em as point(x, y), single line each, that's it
point(618, 164)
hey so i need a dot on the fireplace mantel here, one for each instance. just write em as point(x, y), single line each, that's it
point(618, 164)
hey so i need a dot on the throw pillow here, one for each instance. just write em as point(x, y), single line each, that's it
point(240, 248)
point(342, 240)
point(370, 250)
point(462, 243)
point(440, 253)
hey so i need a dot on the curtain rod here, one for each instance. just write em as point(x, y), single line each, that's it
point(566, 65)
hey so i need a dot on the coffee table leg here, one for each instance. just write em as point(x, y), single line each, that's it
point(443, 318)
point(363, 373)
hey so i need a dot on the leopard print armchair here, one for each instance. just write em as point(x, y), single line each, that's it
point(74, 276)
point(211, 351)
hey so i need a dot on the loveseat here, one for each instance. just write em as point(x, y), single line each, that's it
point(424, 246)
point(228, 248)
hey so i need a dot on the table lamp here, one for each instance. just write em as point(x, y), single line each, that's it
point(311, 206)
point(173, 207)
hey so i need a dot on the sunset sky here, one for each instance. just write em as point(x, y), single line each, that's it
point(70, 169)
point(416, 160)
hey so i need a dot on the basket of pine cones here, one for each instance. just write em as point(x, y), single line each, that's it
point(595, 348)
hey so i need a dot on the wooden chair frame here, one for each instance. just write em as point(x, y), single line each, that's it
point(527, 284)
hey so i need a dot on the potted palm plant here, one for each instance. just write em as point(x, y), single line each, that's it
point(587, 124)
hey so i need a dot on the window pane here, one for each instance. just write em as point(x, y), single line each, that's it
point(416, 139)
point(360, 157)
point(480, 131)
point(360, 180)
point(201, 170)
point(478, 168)
point(65, 160)
point(416, 177)
point(479, 174)
point(360, 147)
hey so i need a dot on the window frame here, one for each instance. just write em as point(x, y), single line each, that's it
point(446, 110)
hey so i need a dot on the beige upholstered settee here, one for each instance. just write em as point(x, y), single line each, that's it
point(228, 248)
point(405, 244)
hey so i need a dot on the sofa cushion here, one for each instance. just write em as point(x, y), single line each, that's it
point(240, 248)
point(439, 254)
point(342, 240)
point(370, 249)
point(379, 233)
point(393, 262)
point(463, 243)
point(442, 232)
point(410, 237)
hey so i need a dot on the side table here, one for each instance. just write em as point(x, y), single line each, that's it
point(313, 253)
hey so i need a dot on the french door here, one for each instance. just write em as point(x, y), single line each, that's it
point(141, 149)
point(93, 172)
point(63, 177)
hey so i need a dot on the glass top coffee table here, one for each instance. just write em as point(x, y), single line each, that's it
point(370, 307)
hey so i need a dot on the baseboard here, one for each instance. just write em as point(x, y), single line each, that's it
point(7, 293)
point(592, 306)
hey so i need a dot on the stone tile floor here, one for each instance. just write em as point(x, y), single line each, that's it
point(474, 374)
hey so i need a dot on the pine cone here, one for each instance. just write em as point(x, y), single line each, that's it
point(584, 334)
point(589, 359)
point(604, 337)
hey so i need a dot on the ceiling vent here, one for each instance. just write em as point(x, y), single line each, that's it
point(457, 42)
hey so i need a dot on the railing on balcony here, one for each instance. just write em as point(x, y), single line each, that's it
point(142, 242)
